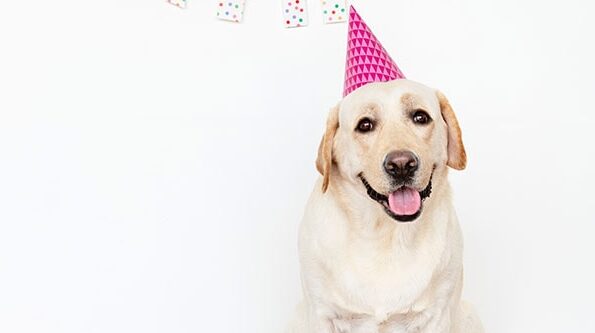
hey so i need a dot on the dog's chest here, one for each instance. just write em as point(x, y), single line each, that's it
point(381, 281)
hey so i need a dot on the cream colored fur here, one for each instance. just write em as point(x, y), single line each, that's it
point(362, 271)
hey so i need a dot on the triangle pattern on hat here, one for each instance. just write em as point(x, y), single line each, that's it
point(367, 61)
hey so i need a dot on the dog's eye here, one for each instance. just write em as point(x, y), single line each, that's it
point(365, 125)
point(421, 117)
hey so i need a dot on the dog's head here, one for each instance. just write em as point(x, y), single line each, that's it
point(389, 139)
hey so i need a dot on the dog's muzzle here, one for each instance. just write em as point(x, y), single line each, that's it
point(405, 204)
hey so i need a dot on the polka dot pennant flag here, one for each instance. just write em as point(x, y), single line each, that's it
point(295, 13)
point(230, 10)
point(334, 11)
point(179, 3)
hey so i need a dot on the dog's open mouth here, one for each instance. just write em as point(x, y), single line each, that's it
point(404, 204)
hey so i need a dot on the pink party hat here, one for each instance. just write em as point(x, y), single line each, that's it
point(367, 60)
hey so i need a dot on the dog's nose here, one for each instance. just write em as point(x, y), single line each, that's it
point(401, 164)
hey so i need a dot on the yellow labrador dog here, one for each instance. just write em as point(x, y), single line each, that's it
point(380, 245)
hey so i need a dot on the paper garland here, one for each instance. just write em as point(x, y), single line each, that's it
point(334, 11)
point(295, 13)
point(231, 10)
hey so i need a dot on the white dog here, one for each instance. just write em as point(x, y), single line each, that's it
point(380, 245)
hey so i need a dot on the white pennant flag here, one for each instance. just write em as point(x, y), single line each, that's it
point(295, 13)
point(179, 3)
point(231, 10)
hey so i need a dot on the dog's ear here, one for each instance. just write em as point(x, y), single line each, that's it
point(324, 161)
point(457, 158)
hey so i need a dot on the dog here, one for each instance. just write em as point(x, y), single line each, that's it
point(380, 246)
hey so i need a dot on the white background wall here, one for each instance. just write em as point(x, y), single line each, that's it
point(154, 162)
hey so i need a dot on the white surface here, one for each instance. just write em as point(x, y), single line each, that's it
point(154, 162)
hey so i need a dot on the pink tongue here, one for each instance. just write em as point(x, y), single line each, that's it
point(404, 201)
